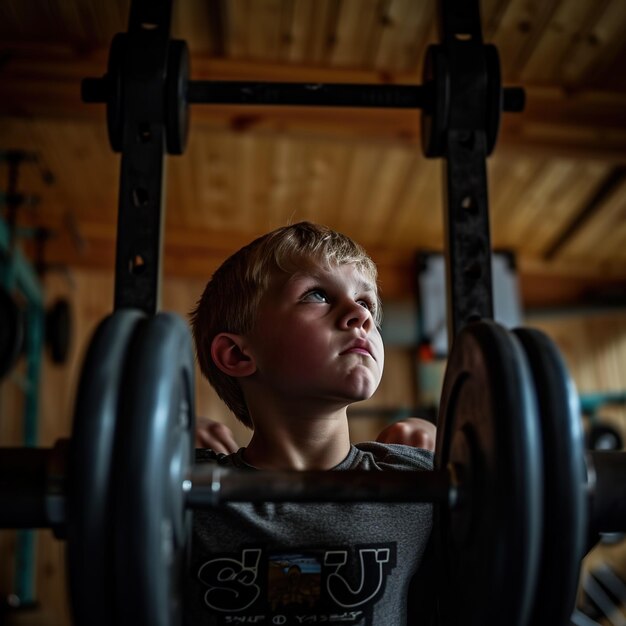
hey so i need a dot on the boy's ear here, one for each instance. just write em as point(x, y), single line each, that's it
point(229, 355)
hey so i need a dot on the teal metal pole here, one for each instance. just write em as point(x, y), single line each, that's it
point(18, 274)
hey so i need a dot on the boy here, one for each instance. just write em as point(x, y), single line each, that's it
point(287, 333)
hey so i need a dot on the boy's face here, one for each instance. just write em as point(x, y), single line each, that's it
point(315, 337)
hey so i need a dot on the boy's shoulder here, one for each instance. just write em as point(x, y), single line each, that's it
point(368, 456)
point(372, 455)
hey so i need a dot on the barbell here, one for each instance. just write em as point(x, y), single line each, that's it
point(516, 499)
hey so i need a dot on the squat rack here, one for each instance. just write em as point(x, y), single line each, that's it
point(461, 101)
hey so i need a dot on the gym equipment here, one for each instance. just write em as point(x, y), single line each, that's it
point(91, 468)
point(147, 92)
point(57, 324)
point(601, 435)
point(565, 507)
point(22, 318)
point(487, 377)
point(497, 480)
point(487, 482)
point(154, 452)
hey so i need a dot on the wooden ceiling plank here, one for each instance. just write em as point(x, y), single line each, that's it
point(566, 201)
point(590, 246)
point(492, 12)
point(569, 20)
point(320, 30)
point(293, 27)
point(216, 180)
point(228, 150)
point(355, 21)
point(597, 45)
point(183, 186)
point(379, 207)
point(201, 24)
point(419, 220)
point(236, 25)
point(519, 27)
point(527, 215)
point(614, 180)
point(311, 205)
point(535, 34)
point(326, 179)
point(406, 200)
point(84, 25)
point(561, 197)
point(287, 175)
point(264, 29)
point(378, 25)
point(403, 36)
point(364, 163)
point(508, 197)
point(612, 248)
point(264, 149)
point(340, 168)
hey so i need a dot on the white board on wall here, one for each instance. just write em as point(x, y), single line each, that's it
point(432, 297)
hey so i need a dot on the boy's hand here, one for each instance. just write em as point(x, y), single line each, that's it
point(215, 435)
point(412, 431)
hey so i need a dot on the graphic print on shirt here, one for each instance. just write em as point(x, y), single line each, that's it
point(334, 585)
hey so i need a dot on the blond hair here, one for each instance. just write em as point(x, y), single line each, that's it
point(230, 300)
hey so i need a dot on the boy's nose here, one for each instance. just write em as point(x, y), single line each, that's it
point(356, 316)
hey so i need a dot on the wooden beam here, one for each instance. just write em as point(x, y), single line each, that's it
point(43, 83)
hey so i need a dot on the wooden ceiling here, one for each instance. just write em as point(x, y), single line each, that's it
point(557, 177)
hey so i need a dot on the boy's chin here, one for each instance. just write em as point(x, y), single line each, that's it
point(359, 395)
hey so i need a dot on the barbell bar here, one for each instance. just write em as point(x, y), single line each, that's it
point(33, 488)
point(184, 92)
point(34, 483)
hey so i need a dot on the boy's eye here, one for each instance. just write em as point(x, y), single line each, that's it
point(315, 295)
point(367, 304)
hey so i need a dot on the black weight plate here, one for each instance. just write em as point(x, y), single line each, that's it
point(153, 452)
point(435, 112)
point(90, 501)
point(115, 96)
point(488, 432)
point(176, 106)
point(494, 96)
point(11, 332)
point(565, 507)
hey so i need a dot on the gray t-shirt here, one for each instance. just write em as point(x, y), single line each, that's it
point(289, 563)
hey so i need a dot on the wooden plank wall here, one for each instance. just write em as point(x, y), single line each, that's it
point(594, 346)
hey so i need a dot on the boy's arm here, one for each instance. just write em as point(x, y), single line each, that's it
point(412, 431)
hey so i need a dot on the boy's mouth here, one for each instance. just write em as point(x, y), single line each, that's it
point(360, 346)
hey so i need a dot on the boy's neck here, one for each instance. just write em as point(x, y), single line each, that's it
point(299, 442)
